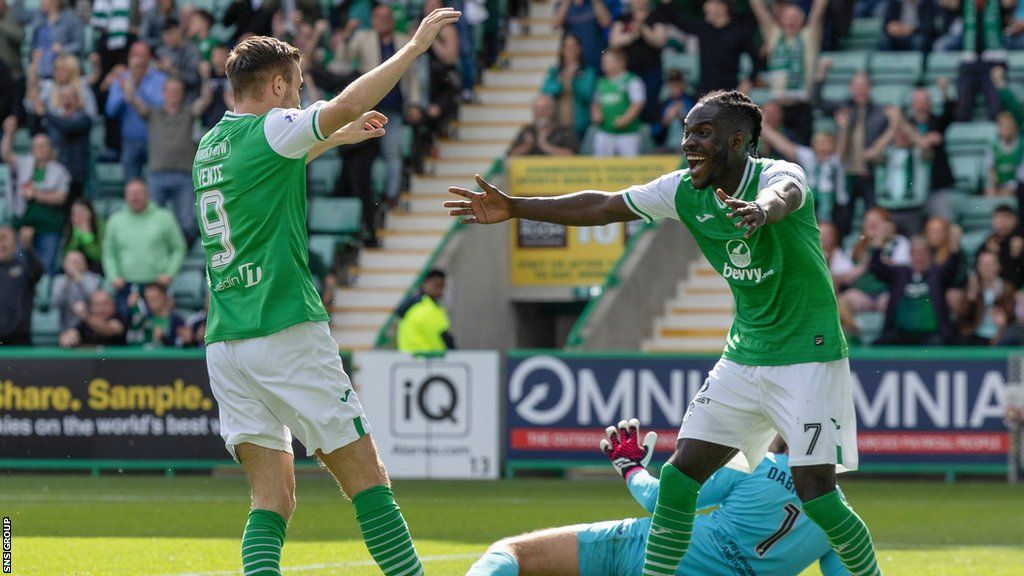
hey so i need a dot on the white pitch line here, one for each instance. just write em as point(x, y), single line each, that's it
point(311, 567)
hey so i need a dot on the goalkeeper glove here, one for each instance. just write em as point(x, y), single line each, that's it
point(622, 446)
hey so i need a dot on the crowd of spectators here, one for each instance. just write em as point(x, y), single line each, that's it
point(132, 85)
point(149, 76)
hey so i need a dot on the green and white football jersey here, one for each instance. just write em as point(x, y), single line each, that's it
point(786, 309)
point(250, 182)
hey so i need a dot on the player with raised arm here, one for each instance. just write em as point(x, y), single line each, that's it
point(784, 367)
point(758, 528)
point(274, 367)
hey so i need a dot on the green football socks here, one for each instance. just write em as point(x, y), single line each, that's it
point(672, 523)
point(262, 542)
point(847, 533)
point(385, 532)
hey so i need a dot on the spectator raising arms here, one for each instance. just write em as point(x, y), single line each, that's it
point(904, 158)
point(933, 127)
point(19, 272)
point(147, 85)
point(84, 233)
point(826, 177)
point(617, 106)
point(55, 31)
point(68, 127)
point(39, 194)
point(72, 289)
point(587, 20)
point(544, 137)
point(100, 327)
point(572, 83)
point(142, 244)
point(178, 56)
point(917, 312)
point(641, 35)
point(171, 148)
point(792, 43)
point(722, 42)
point(1003, 157)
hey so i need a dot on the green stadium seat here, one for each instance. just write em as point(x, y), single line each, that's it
point(845, 65)
point(969, 137)
point(762, 95)
point(196, 258)
point(890, 95)
point(836, 92)
point(43, 288)
point(189, 287)
point(324, 246)
point(4, 205)
point(863, 34)
point(968, 172)
point(871, 325)
point(942, 64)
point(22, 141)
point(109, 179)
point(970, 242)
point(896, 67)
point(687, 63)
point(335, 216)
point(45, 327)
point(106, 207)
point(1015, 64)
point(974, 213)
point(323, 174)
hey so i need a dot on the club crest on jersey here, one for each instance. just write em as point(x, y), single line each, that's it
point(739, 253)
point(290, 117)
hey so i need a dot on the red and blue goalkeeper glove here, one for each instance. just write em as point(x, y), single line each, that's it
point(623, 447)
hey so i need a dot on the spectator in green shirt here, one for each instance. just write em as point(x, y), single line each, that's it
point(142, 244)
point(153, 321)
point(41, 187)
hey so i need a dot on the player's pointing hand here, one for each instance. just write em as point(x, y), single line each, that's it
point(487, 207)
point(751, 214)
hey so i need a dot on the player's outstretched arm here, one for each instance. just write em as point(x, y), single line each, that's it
point(369, 125)
point(586, 208)
point(773, 203)
point(371, 87)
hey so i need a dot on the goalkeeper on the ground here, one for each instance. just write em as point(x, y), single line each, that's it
point(758, 528)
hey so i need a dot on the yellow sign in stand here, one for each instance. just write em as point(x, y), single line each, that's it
point(553, 255)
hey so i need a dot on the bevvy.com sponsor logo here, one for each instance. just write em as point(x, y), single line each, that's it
point(740, 255)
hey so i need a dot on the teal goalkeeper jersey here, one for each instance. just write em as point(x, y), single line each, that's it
point(786, 310)
point(250, 183)
point(759, 528)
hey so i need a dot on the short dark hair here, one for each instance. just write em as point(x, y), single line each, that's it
point(434, 273)
point(205, 15)
point(169, 24)
point(1005, 209)
point(743, 108)
point(256, 60)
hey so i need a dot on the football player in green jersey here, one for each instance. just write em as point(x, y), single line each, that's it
point(274, 367)
point(784, 367)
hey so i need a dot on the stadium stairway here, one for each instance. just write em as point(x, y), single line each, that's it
point(697, 319)
point(484, 131)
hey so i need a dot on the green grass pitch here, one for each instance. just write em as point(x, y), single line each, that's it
point(147, 525)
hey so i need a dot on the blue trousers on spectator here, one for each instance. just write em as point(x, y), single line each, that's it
point(134, 154)
point(467, 50)
point(974, 78)
point(391, 150)
point(175, 188)
point(47, 246)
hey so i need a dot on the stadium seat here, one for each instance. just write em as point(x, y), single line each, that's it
point(109, 179)
point(901, 68)
point(105, 207)
point(762, 95)
point(871, 325)
point(335, 216)
point(969, 137)
point(324, 246)
point(189, 287)
point(45, 327)
point(890, 94)
point(1015, 64)
point(968, 173)
point(42, 297)
point(975, 212)
point(845, 65)
point(323, 174)
point(687, 63)
point(863, 34)
point(942, 64)
point(970, 242)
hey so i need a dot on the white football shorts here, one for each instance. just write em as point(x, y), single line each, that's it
point(288, 382)
point(810, 405)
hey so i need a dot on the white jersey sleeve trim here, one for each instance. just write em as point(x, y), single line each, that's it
point(780, 171)
point(292, 132)
point(655, 200)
